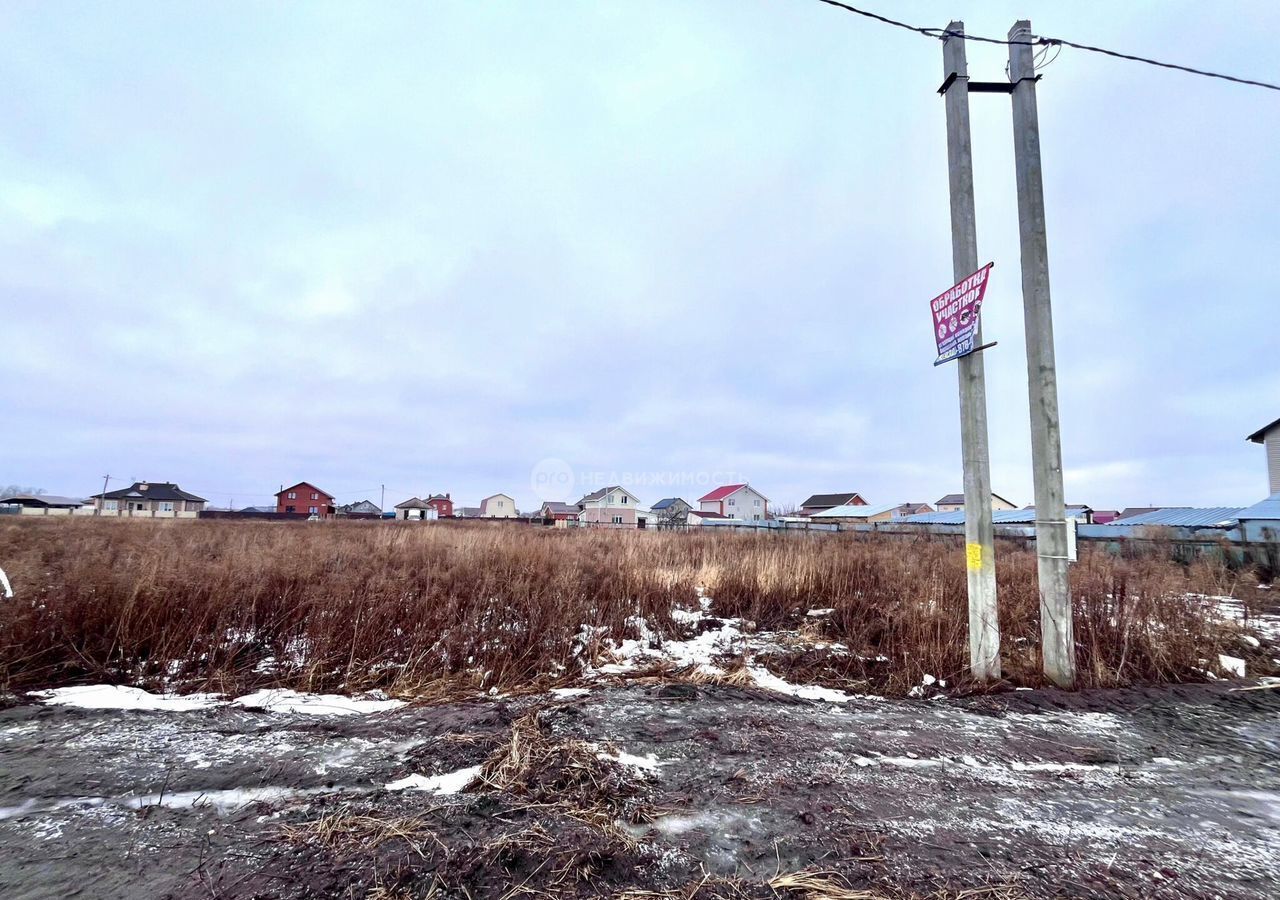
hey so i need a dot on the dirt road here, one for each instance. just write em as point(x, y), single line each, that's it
point(1171, 792)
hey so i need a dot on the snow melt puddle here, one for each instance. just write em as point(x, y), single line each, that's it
point(448, 783)
point(276, 700)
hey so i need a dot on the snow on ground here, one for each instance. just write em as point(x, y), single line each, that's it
point(713, 640)
point(447, 783)
point(110, 696)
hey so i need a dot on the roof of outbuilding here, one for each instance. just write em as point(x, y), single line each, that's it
point(706, 514)
point(413, 503)
point(154, 490)
point(721, 492)
point(1260, 435)
point(831, 499)
point(41, 500)
point(1266, 509)
point(852, 511)
point(1185, 517)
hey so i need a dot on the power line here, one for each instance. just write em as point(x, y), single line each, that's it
point(942, 33)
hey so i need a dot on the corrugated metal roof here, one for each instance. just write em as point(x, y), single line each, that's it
point(999, 517)
point(1267, 509)
point(1186, 517)
point(934, 518)
point(855, 512)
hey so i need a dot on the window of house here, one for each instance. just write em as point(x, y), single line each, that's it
point(113, 505)
point(624, 499)
point(617, 520)
point(166, 506)
point(293, 495)
point(289, 509)
point(315, 496)
point(733, 502)
point(314, 510)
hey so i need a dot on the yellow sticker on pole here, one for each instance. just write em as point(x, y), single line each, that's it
point(973, 556)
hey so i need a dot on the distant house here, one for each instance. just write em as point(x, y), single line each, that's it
point(499, 506)
point(466, 512)
point(911, 509)
point(701, 516)
point(1269, 437)
point(442, 504)
point(360, 508)
point(614, 506)
point(416, 510)
point(306, 498)
point(736, 501)
point(855, 514)
point(1105, 516)
point(670, 512)
point(162, 498)
point(258, 510)
point(41, 501)
point(818, 502)
point(561, 515)
point(955, 503)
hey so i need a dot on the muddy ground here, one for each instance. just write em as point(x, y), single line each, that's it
point(1168, 792)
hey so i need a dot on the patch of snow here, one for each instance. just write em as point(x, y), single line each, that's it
point(1232, 665)
point(448, 783)
point(565, 693)
point(112, 696)
point(766, 679)
point(285, 700)
point(820, 613)
point(649, 762)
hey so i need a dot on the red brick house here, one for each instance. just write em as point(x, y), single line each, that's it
point(306, 499)
point(442, 504)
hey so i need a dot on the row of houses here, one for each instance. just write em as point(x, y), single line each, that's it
point(617, 507)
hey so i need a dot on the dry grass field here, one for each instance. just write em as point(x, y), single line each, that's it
point(457, 608)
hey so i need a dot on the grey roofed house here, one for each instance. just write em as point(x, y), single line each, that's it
point(556, 508)
point(829, 501)
point(150, 490)
point(360, 507)
point(258, 509)
point(912, 509)
point(467, 512)
point(413, 503)
point(668, 503)
point(958, 500)
point(42, 501)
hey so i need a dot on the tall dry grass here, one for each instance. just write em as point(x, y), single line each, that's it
point(419, 607)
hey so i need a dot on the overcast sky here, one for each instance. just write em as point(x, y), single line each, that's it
point(432, 245)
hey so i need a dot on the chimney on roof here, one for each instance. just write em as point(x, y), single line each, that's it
point(142, 486)
point(446, 496)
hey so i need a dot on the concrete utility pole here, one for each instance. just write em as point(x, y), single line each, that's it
point(1056, 632)
point(984, 626)
point(102, 503)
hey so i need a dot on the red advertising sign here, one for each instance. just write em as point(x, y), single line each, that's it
point(955, 316)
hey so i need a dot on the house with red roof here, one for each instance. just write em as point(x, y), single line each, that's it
point(736, 501)
point(306, 498)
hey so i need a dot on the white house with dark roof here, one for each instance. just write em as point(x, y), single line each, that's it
point(613, 506)
point(819, 502)
point(158, 499)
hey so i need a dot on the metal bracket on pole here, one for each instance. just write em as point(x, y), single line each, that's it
point(985, 87)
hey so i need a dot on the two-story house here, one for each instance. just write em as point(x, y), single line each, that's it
point(499, 506)
point(305, 498)
point(442, 504)
point(955, 503)
point(611, 506)
point(736, 501)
